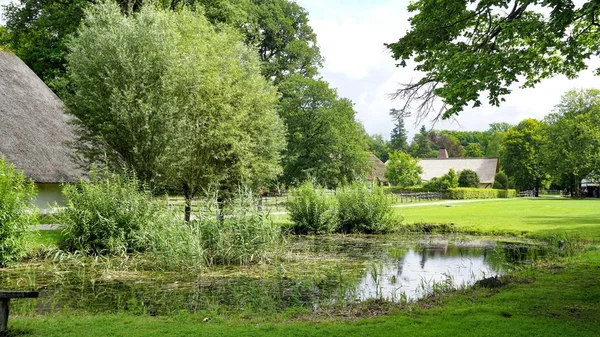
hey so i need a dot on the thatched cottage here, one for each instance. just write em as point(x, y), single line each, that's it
point(486, 168)
point(34, 130)
point(377, 175)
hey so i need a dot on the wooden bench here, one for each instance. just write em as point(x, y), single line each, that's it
point(5, 297)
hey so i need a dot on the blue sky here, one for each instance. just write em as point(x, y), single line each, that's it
point(351, 34)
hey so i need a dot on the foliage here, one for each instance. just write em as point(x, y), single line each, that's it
point(107, 215)
point(465, 48)
point(500, 181)
point(399, 138)
point(380, 147)
point(239, 234)
point(312, 210)
point(442, 140)
point(474, 150)
point(462, 193)
point(17, 213)
point(521, 154)
point(573, 152)
point(468, 178)
point(37, 30)
point(445, 182)
point(421, 146)
point(325, 143)
point(192, 113)
point(364, 210)
point(403, 170)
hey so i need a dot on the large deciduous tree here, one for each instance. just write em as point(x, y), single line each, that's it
point(521, 154)
point(325, 142)
point(466, 48)
point(182, 104)
point(574, 150)
point(37, 31)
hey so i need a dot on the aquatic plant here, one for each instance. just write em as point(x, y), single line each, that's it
point(365, 210)
point(312, 210)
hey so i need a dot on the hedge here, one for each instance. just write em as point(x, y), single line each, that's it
point(478, 193)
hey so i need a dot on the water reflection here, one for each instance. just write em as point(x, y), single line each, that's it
point(419, 271)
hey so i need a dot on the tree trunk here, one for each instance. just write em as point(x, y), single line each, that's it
point(188, 202)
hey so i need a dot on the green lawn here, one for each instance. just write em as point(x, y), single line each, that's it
point(561, 298)
point(537, 217)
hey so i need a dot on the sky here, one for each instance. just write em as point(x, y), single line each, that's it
point(351, 35)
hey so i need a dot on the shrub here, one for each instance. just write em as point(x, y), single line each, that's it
point(501, 181)
point(468, 178)
point(448, 180)
point(17, 213)
point(238, 234)
point(403, 170)
point(312, 211)
point(107, 215)
point(478, 193)
point(362, 210)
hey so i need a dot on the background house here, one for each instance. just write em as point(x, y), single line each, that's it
point(377, 175)
point(486, 168)
point(34, 130)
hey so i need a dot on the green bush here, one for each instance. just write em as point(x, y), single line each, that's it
point(478, 193)
point(312, 211)
point(107, 215)
point(448, 180)
point(501, 181)
point(17, 213)
point(239, 234)
point(468, 178)
point(362, 210)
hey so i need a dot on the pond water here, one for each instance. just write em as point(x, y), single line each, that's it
point(314, 272)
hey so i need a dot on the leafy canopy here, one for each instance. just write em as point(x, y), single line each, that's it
point(325, 142)
point(403, 170)
point(468, 47)
point(180, 103)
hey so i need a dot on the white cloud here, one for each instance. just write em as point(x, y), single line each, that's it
point(351, 35)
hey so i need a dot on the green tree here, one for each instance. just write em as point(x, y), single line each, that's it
point(403, 170)
point(448, 142)
point(37, 31)
point(474, 150)
point(325, 143)
point(179, 102)
point(521, 154)
point(500, 181)
point(468, 178)
point(466, 48)
point(421, 146)
point(574, 150)
point(398, 139)
point(380, 147)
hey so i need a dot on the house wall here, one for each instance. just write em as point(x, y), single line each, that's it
point(48, 195)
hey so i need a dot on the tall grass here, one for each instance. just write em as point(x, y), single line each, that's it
point(16, 214)
point(312, 211)
point(108, 214)
point(365, 210)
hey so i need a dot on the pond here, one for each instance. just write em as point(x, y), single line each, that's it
point(309, 273)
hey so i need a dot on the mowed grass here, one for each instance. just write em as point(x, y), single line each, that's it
point(560, 298)
point(539, 217)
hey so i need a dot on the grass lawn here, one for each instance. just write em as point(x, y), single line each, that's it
point(538, 217)
point(561, 298)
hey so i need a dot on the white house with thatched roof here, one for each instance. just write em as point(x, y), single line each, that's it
point(486, 168)
point(34, 130)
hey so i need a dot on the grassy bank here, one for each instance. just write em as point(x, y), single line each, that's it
point(561, 298)
point(539, 217)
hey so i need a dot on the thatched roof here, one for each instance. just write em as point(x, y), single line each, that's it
point(33, 125)
point(485, 168)
point(377, 170)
